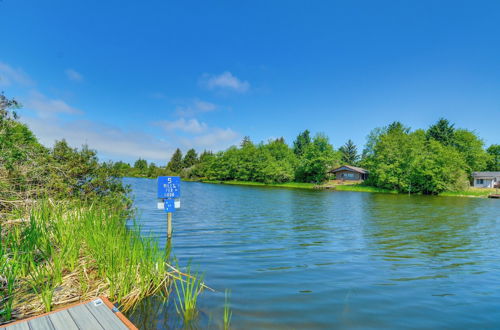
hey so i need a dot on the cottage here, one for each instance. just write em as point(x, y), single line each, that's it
point(485, 179)
point(348, 172)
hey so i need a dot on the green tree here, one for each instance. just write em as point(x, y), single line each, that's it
point(494, 161)
point(319, 156)
point(411, 162)
point(246, 141)
point(190, 159)
point(471, 147)
point(153, 170)
point(349, 153)
point(141, 166)
point(175, 163)
point(301, 142)
point(442, 131)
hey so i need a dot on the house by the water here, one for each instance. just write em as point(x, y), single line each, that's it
point(485, 179)
point(348, 172)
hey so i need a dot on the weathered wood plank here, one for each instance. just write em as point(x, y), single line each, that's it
point(18, 326)
point(63, 320)
point(41, 323)
point(106, 317)
point(84, 319)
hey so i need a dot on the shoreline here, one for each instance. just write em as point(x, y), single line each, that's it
point(471, 193)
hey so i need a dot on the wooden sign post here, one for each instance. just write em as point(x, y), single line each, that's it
point(169, 224)
point(169, 193)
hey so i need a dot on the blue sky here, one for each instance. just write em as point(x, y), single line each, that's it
point(140, 78)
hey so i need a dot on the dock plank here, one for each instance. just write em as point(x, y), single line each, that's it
point(41, 323)
point(63, 320)
point(18, 326)
point(106, 317)
point(84, 319)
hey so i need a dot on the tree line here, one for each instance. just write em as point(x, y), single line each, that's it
point(439, 158)
point(30, 171)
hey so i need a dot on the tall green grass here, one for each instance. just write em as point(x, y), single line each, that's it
point(228, 314)
point(72, 246)
point(188, 289)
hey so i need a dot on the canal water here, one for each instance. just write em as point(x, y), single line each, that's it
point(302, 259)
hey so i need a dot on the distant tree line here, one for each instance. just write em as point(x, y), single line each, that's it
point(420, 161)
point(429, 161)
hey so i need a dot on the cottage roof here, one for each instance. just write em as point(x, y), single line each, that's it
point(349, 167)
point(486, 174)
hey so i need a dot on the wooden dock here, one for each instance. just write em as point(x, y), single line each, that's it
point(494, 196)
point(97, 314)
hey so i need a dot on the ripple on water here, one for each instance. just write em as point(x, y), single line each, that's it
point(319, 259)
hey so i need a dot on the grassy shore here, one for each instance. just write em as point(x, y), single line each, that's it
point(300, 185)
point(364, 188)
point(471, 192)
point(64, 252)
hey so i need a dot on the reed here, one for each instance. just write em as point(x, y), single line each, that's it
point(188, 289)
point(228, 314)
point(69, 251)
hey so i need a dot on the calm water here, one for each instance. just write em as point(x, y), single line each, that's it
point(320, 259)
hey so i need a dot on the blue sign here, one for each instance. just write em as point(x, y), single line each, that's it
point(169, 187)
point(169, 205)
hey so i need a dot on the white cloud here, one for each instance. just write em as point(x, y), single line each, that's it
point(192, 126)
point(195, 107)
point(54, 119)
point(109, 141)
point(46, 107)
point(10, 76)
point(200, 135)
point(224, 81)
point(73, 75)
point(217, 139)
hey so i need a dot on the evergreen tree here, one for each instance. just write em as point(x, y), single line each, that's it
point(349, 153)
point(190, 159)
point(246, 141)
point(301, 142)
point(141, 165)
point(175, 163)
point(442, 131)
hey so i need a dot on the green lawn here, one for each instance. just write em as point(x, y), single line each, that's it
point(300, 185)
point(471, 192)
point(364, 188)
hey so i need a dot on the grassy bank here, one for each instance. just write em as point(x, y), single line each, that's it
point(363, 188)
point(300, 185)
point(67, 251)
point(471, 192)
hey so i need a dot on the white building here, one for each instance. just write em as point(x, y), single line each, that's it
point(485, 179)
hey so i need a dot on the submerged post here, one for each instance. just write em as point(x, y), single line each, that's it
point(169, 225)
point(169, 193)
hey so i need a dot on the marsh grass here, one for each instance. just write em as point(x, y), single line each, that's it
point(228, 314)
point(70, 251)
point(187, 290)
